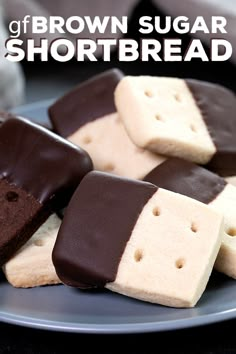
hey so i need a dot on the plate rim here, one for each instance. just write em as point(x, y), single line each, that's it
point(134, 328)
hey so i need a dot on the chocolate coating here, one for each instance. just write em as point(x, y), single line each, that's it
point(89, 101)
point(218, 108)
point(40, 162)
point(96, 227)
point(20, 216)
point(186, 178)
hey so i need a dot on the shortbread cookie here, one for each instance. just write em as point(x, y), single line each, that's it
point(185, 118)
point(87, 117)
point(231, 180)
point(32, 265)
point(196, 182)
point(39, 172)
point(137, 240)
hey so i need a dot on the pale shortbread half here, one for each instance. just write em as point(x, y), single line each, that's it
point(111, 150)
point(171, 252)
point(32, 265)
point(231, 180)
point(160, 114)
point(225, 203)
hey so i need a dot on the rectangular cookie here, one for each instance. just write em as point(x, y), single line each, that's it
point(190, 119)
point(87, 117)
point(39, 172)
point(126, 242)
point(198, 183)
point(32, 265)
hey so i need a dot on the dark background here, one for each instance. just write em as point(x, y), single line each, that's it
point(48, 80)
point(217, 339)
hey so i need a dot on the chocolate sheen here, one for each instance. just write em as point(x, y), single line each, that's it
point(90, 100)
point(43, 164)
point(186, 178)
point(96, 228)
point(218, 108)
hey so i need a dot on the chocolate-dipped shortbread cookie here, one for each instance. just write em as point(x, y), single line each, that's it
point(87, 116)
point(138, 240)
point(190, 119)
point(198, 183)
point(39, 171)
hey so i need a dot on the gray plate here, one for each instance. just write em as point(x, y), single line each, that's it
point(66, 309)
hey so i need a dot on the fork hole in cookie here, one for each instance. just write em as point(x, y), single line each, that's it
point(148, 93)
point(158, 117)
point(11, 196)
point(87, 140)
point(231, 231)
point(39, 243)
point(138, 255)
point(177, 97)
point(156, 211)
point(180, 263)
point(192, 127)
point(194, 227)
point(109, 167)
point(139, 150)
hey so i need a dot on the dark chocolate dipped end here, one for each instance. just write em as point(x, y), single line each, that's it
point(224, 163)
point(188, 179)
point(89, 101)
point(40, 162)
point(218, 106)
point(39, 172)
point(97, 225)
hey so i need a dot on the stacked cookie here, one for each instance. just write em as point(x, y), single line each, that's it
point(148, 223)
point(87, 116)
point(196, 182)
point(39, 172)
point(133, 238)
